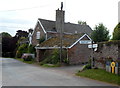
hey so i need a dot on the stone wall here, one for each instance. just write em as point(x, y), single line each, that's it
point(106, 51)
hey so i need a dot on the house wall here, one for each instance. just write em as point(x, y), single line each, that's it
point(40, 55)
point(42, 34)
point(80, 53)
point(106, 51)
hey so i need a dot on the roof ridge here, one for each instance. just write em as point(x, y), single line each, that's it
point(45, 19)
point(64, 22)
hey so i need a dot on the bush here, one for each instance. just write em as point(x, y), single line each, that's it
point(88, 66)
point(21, 49)
point(53, 57)
point(31, 49)
point(24, 48)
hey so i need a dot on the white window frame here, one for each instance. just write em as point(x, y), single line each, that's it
point(38, 35)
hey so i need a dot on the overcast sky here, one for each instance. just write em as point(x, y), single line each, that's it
point(23, 14)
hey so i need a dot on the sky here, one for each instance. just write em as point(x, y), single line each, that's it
point(23, 14)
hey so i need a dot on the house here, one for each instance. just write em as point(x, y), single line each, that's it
point(76, 46)
point(75, 38)
point(47, 28)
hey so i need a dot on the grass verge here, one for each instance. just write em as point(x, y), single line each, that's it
point(51, 65)
point(33, 62)
point(99, 74)
point(28, 62)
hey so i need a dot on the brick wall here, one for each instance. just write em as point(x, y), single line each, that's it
point(42, 34)
point(78, 54)
point(40, 55)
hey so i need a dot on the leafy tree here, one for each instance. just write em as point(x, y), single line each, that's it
point(21, 33)
point(82, 22)
point(8, 45)
point(5, 34)
point(100, 33)
point(30, 30)
point(116, 33)
point(5, 38)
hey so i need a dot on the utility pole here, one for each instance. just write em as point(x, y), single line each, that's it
point(93, 59)
point(61, 33)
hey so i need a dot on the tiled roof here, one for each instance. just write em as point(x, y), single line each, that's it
point(68, 27)
point(67, 41)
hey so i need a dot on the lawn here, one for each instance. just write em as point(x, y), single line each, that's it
point(99, 74)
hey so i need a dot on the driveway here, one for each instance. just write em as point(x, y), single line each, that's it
point(16, 73)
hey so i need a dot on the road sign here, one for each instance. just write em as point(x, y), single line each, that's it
point(93, 46)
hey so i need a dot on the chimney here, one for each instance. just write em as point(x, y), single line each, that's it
point(60, 19)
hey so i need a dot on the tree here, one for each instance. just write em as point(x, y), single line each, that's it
point(82, 22)
point(5, 34)
point(8, 44)
point(21, 33)
point(116, 32)
point(100, 33)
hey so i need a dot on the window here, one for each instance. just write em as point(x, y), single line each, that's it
point(38, 35)
point(38, 27)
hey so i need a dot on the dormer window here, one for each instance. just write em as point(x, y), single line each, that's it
point(38, 35)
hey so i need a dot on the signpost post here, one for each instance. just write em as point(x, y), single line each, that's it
point(94, 48)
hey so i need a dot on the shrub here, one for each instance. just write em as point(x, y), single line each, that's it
point(55, 57)
point(51, 57)
point(21, 49)
point(24, 48)
point(31, 49)
point(88, 66)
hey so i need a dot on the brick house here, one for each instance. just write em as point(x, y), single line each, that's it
point(47, 28)
point(74, 44)
point(50, 30)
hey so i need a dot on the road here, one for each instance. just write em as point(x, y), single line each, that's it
point(16, 73)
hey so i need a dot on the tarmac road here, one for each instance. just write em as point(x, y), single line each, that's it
point(16, 73)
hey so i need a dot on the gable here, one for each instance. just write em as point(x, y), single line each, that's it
point(82, 41)
point(38, 29)
point(85, 38)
